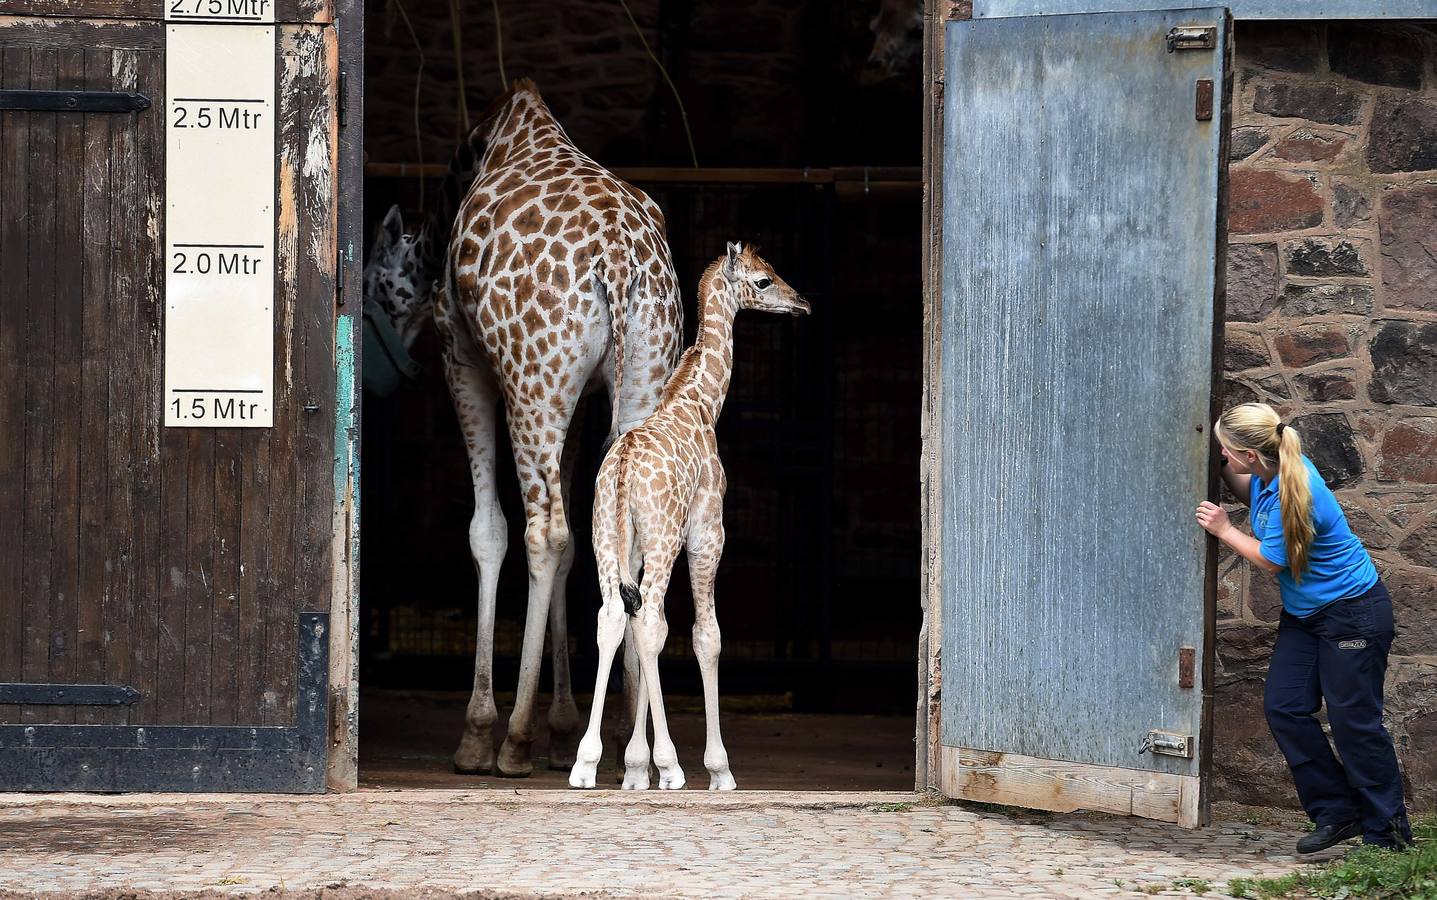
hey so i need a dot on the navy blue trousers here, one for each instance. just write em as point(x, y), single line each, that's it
point(1338, 656)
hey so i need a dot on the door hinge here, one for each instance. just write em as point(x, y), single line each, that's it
point(344, 98)
point(69, 694)
point(74, 101)
point(339, 277)
point(1192, 37)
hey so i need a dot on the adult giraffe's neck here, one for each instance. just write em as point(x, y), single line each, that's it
point(703, 375)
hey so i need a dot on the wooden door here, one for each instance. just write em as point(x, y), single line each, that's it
point(165, 593)
point(1080, 275)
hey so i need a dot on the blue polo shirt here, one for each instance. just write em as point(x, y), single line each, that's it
point(1337, 564)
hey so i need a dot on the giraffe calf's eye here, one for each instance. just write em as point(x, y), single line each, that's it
point(762, 283)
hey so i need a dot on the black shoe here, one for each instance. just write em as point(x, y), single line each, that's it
point(1327, 835)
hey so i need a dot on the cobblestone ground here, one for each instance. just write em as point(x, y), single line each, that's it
point(542, 843)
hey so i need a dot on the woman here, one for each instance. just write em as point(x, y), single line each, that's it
point(1333, 638)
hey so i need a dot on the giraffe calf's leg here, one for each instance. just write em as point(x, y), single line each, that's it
point(703, 566)
point(636, 753)
point(591, 748)
point(652, 630)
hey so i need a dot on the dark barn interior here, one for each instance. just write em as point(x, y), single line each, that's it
point(807, 143)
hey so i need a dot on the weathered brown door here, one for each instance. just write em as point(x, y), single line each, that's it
point(164, 592)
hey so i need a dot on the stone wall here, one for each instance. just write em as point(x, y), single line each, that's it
point(1332, 318)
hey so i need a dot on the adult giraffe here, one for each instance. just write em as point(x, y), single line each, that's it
point(557, 282)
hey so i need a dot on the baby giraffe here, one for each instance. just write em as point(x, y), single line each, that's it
point(660, 490)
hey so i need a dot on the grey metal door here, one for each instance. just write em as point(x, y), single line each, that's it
point(1083, 179)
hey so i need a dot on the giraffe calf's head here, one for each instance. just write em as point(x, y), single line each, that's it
point(757, 286)
point(394, 277)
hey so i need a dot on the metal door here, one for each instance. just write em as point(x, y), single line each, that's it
point(165, 593)
point(1083, 176)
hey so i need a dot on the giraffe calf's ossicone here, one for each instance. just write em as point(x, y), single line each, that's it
point(660, 490)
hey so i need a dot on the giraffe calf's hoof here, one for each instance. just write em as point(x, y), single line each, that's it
point(583, 776)
point(636, 779)
point(672, 780)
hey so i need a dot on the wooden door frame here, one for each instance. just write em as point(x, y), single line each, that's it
point(343, 774)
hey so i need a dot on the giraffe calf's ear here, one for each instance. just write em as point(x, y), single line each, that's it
point(730, 264)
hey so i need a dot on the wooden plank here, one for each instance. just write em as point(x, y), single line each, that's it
point(176, 482)
point(286, 10)
point(14, 243)
point(131, 643)
point(39, 362)
point(278, 583)
point(1033, 783)
point(68, 316)
point(306, 50)
point(146, 423)
point(344, 619)
point(29, 31)
point(97, 639)
point(199, 536)
point(1241, 9)
point(224, 597)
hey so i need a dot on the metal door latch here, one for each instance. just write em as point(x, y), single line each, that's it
point(1168, 743)
point(1192, 37)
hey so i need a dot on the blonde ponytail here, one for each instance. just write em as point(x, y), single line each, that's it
point(1294, 495)
point(1257, 427)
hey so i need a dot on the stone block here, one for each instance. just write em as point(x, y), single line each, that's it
point(1287, 46)
point(1376, 54)
point(1403, 135)
point(1371, 532)
point(1407, 226)
point(1247, 141)
point(1301, 300)
point(1409, 451)
point(1316, 102)
point(1320, 257)
point(1261, 201)
point(1315, 343)
point(1251, 281)
point(1264, 598)
point(1236, 392)
point(1247, 767)
point(1244, 350)
point(1411, 717)
point(1328, 441)
point(1325, 387)
point(1414, 606)
point(1404, 363)
point(1276, 386)
point(1307, 145)
point(1421, 545)
point(1351, 204)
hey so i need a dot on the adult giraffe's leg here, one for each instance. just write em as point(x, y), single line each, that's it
point(475, 393)
point(705, 549)
point(538, 439)
point(563, 713)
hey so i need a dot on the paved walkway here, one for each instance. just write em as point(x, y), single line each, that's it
point(543, 843)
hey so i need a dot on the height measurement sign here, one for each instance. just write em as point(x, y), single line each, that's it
point(220, 214)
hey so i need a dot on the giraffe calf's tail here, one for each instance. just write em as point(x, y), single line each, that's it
point(628, 586)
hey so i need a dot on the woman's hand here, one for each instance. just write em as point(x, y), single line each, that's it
point(1213, 519)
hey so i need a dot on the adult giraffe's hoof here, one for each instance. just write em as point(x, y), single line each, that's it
point(475, 756)
point(563, 750)
point(514, 761)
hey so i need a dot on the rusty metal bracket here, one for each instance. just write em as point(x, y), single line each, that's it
point(1203, 107)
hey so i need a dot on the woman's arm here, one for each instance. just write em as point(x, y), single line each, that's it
point(1214, 520)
